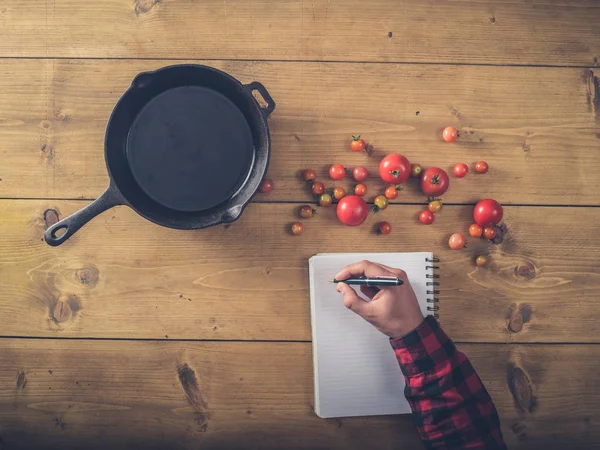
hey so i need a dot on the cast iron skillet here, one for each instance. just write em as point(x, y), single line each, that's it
point(186, 147)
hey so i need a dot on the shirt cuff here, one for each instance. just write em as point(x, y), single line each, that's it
point(423, 348)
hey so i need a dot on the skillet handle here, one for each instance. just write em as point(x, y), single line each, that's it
point(111, 197)
point(256, 86)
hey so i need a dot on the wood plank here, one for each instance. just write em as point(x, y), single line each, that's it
point(473, 31)
point(58, 393)
point(121, 276)
point(536, 127)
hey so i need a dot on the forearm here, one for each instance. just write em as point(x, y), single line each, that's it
point(451, 407)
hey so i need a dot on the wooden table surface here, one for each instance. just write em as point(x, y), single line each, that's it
point(130, 334)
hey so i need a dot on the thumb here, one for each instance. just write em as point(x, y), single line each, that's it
point(351, 300)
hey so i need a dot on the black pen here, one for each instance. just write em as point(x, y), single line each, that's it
point(378, 281)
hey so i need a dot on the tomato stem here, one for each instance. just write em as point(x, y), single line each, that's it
point(356, 138)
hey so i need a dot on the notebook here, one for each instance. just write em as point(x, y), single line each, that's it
point(355, 369)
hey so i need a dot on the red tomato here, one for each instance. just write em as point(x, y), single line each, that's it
point(297, 228)
point(352, 210)
point(426, 217)
point(481, 167)
point(488, 212)
point(475, 230)
point(460, 170)
point(309, 175)
point(394, 169)
point(266, 186)
point(360, 173)
point(456, 241)
point(337, 172)
point(450, 134)
point(391, 192)
point(434, 182)
point(360, 190)
point(357, 144)
point(317, 188)
point(489, 232)
point(384, 228)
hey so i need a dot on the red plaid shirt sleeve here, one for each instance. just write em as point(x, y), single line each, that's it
point(451, 407)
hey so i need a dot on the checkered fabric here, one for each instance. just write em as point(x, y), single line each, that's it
point(451, 407)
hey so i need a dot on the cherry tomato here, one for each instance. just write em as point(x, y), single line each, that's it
point(481, 167)
point(325, 200)
point(337, 172)
point(460, 170)
point(434, 182)
point(456, 241)
point(384, 228)
point(488, 212)
point(360, 190)
point(309, 175)
point(360, 173)
point(476, 230)
point(391, 192)
point(435, 206)
point(450, 134)
point(339, 193)
point(266, 186)
point(489, 232)
point(297, 228)
point(394, 169)
point(415, 170)
point(352, 210)
point(481, 261)
point(381, 202)
point(357, 144)
point(426, 217)
point(317, 188)
point(307, 211)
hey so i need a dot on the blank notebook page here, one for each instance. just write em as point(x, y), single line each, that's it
point(355, 368)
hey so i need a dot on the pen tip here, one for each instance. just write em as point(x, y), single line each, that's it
point(332, 281)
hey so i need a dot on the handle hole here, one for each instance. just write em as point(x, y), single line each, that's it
point(59, 232)
point(260, 99)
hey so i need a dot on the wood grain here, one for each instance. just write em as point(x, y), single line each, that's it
point(473, 31)
point(537, 127)
point(121, 276)
point(259, 395)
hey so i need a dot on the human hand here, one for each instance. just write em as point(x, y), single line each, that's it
point(392, 310)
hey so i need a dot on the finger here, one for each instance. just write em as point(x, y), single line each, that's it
point(361, 269)
point(369, 291)
point(351, 300)
point(401, 274)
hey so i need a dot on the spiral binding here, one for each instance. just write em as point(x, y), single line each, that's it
point(433, 292)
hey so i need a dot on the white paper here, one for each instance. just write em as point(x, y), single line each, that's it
point(355, 368)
